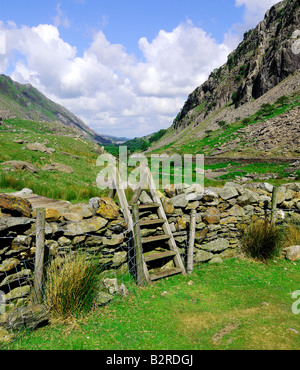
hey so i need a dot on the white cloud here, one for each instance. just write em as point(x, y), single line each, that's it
point(109, 89)
point(254, 12)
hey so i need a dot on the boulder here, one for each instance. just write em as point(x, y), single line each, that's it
point(39, 147)
point(21, 165)
point(228, 192)
point(59, 167)
point(29, 317)
point(15, 204)
point(292, 253)
point(108, 208)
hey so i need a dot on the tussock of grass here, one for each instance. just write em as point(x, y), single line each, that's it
point(71, 285)
point(261, 240)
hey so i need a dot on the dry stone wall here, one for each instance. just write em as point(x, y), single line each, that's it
point(98, 227)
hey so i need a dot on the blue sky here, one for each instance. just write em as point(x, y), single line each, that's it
point(124, 66)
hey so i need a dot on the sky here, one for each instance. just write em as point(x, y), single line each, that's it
point(125, 67)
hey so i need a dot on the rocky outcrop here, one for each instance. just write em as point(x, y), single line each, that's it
point(262, 60)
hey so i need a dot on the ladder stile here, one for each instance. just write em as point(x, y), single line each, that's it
point(159, 253)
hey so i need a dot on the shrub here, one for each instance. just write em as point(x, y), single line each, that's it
point(71, 285)
point(261, 240)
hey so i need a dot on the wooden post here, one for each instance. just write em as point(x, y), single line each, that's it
point(190, 252)
point(274, 205)
point(39, 254)
point(140, 277)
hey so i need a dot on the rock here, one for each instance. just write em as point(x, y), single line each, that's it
point(111, 285)
point(167, 205)
point(72, 216)
point(236, 211)
point(170, 190)
point(81, 209)
point(94, 202)
point(21, 165)
point(52, 215)
point(21, 242)
point(292, 253)
point(11, 222)
point(119, 258)
point(212, 216)
point(5, 336)
point(216, 259)
point(16, 293)
point(180, 201)
point(114, 240)
point(39, 147)
point(228, 220)
point(64, 242)
point(85, 226)
point(24, 191)
point(108, 208)
point(102, 298)
point(203, 256)
point(123, 291)
point(145, 198)
point(252, 195)
point(15, 204)
point(9, 264)
point(228, 192)
point(29, 317)
point(267, 187)
point(59, 167)
point(23, 274)
point(217, 245)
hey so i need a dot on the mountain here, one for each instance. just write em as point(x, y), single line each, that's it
point(26, 102)
point(262, 69)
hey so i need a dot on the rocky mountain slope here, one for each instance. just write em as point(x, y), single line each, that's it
point(263, 68)
point(26, 102)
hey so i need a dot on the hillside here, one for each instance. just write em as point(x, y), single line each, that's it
point(26, 102)
point(263, 71)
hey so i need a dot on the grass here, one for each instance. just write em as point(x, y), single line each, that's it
point(78, 153)
point(71, 285)
point(236, 305)
point(262, 240)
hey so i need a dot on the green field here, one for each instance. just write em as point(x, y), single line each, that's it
point(236, 305)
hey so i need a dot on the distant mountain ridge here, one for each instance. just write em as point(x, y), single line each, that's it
point(26, 102)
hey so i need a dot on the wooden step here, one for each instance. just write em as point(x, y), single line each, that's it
point(159, 221)
point(165, 273)
point(155, 238)
point(160, 255)
point(144, 207)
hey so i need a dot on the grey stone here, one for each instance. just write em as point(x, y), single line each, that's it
point(203, 256)
point(180, 201)
point(217, 245)
point(228, 192)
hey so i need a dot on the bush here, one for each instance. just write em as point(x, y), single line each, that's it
point(71, 285)
point(261, 240)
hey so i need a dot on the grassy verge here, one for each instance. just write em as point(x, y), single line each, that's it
point(238, 304)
